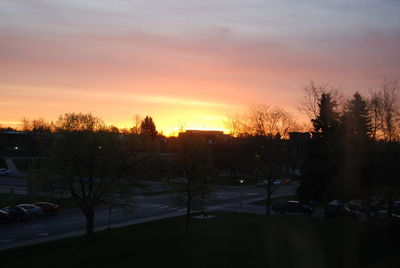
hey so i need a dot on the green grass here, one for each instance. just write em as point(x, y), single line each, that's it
point(13, 200)
point(229, 240)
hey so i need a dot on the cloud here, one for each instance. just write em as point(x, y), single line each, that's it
point(180, 101)
point(192, 54)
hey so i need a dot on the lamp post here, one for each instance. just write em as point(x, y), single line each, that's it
point(241, 181)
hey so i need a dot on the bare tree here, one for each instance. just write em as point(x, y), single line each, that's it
point(375, 108)
point(89, 161)
point(36, 125)
point(384, 105)
point(308, 105)
point(193, 162)
point(235, 124)
point(136, 127)
point(271, 122)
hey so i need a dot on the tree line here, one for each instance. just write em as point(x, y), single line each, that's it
point(351, 151)
point(354, 150)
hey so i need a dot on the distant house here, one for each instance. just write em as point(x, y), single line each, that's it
point(212, 136)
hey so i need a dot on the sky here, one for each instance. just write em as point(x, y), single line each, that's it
point(187, 63)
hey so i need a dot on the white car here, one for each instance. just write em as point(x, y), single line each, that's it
point(33, 211)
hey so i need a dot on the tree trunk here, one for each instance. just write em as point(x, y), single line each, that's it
point(368, 209)
point(187, 217)
point(89, 214)
point(268, 203)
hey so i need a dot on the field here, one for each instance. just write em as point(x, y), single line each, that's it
point(228, 240)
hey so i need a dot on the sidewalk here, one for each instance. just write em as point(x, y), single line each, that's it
point(39, 240)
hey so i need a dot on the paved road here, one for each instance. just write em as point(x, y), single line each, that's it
point(73, 220)
point(11, 184)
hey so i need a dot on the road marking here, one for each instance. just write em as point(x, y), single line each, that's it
point(33, 226)
point(149, 205)
point(42, 234)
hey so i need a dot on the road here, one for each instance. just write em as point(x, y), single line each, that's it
point(11, 184)
point(70, 220)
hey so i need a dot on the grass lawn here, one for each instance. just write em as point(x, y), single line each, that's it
point(13, 200)
point(229, 240)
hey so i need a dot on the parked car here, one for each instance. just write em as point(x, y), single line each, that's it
point(33, 211)
point(4, 172)
point(282, 207)
point(16, 213)
point(264, 183)
point(48, 208)
point(4, 216)
point(339, 209)
point(396, 206)
point(383, 216)
point(286, 181)
point(309, 203)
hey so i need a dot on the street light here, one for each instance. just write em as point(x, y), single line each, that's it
point(241, 181)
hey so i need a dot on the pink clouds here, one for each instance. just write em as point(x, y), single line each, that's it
point(163, 61)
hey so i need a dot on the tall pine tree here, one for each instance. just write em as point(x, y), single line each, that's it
point(320, 166)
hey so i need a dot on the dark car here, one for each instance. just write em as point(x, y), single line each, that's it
point(4, 216)
point(48, 208)
point(362, 205)
point(16, 213)
point(4, 172)
point(338, 209)
point(396, 207)
point(282, 207)
point(33, 211)
point(385, 216)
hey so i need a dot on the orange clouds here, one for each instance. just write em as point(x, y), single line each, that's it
point(188, 63)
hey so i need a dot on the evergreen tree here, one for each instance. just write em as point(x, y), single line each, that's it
point(321, 163)
point(327, 120)
point(356, 119)
point(148, 127)
point(355, 134)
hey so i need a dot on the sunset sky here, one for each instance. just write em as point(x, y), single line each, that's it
point(189, 62)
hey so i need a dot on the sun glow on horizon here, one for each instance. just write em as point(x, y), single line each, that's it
point(187, 65)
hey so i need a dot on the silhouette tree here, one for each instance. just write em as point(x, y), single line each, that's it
point(272, 122)
point(357, 119)
point(354, 142)
point(309, 103)
point(270, 162)
point(148, 127)
point(327, 121)
point(193, 162)
point(385, 111)
point(89, 162)
point(321, 163)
